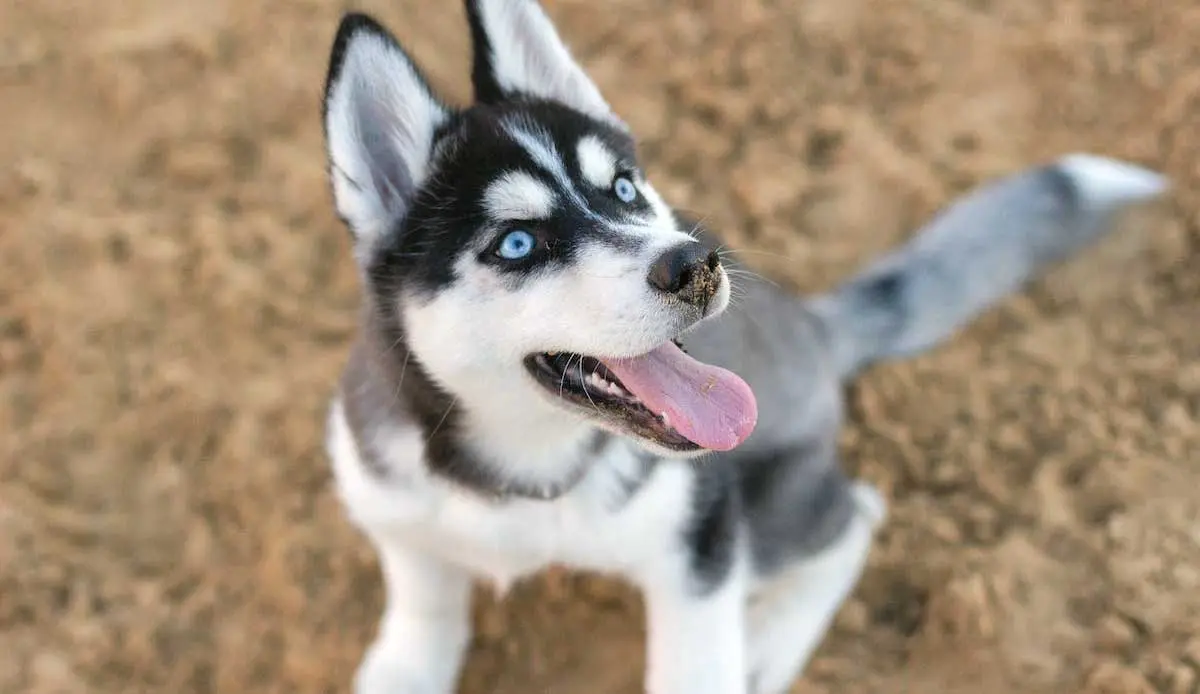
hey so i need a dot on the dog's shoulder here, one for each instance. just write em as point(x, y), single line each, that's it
point(387, 434)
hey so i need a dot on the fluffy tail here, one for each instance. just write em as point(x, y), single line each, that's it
point(982, 248)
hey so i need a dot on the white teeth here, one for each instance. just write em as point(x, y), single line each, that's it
point(594, 379)
point(665, 419)
point(615, 389)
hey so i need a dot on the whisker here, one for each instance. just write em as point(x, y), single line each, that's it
point(600, 277)
point(403, 370)
point(562, 382)
point(583, 380)
point(740, 271)
point(758, 251)
point(442, 420)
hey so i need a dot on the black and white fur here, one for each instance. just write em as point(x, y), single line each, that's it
point(458, 466)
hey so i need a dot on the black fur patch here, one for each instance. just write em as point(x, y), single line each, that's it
point(483, 75)
point(797, 502)
point(712, 535)
point(1064, 186)
point(882, 314)
point(885, 289)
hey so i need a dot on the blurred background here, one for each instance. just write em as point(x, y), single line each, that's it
point(176, 298)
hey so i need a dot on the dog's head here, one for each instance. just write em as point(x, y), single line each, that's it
point(516, 245)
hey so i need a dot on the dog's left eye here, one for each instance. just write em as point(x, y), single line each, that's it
point(516, 244)
point(624, 189)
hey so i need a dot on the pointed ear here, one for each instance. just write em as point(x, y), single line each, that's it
point(517, 51)
point(380, 121)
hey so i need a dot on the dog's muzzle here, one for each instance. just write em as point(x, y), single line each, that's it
point(689, 272)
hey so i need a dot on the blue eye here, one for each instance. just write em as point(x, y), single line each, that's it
point(624, 189)
point(516, 244)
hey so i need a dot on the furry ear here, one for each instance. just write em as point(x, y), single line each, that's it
point(517, 51)
point(380, 120)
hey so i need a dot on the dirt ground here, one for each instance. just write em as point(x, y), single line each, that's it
point(176, 298)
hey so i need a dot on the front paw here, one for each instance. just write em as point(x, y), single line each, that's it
point(383, 672)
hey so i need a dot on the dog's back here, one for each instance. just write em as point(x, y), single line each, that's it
point(791, 350)
point(796, 352)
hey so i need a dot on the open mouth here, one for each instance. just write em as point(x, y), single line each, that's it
point(663, 396)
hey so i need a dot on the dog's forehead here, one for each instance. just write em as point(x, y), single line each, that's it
point(535, 130)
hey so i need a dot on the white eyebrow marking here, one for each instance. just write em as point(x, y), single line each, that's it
point(518, 195)
point(541, 150)
point(596, 161)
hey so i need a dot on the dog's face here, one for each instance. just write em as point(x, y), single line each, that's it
point(517, 245)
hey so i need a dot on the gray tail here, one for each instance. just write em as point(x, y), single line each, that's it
point(982, 248)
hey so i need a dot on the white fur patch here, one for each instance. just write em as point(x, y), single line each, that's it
point(540, 147)
point(528, 56)
point(597, 162)
point(1108, 181)
point(661, 210)
point(518, 195)
point(696, 645)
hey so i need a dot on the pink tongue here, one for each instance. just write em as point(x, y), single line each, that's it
point(707, 405)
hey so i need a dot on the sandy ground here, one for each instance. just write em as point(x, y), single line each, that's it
point(176, 298)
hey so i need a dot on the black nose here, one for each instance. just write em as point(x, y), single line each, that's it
point(689, 271)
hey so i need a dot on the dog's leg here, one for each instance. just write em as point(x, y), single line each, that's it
point(425, 627)
point(789, 616)
point(696, 643)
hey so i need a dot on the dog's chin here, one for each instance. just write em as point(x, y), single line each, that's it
point(585, 387)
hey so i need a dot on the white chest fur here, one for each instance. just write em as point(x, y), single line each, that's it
point(599, 525)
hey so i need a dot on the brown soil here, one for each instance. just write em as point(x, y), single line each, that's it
point(176, 299)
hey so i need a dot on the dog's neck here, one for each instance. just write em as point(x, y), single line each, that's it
point(523, 438)
point(498, 439)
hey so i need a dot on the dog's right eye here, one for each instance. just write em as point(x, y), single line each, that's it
point(624, 189)
point(516, 244)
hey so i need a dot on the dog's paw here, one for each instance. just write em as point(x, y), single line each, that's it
point(773, 678)
point(383, 673)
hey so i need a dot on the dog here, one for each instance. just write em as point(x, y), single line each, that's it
point(547, 371)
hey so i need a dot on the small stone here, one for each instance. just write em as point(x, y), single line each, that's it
point(854, 617)
point(1114, 633)
point(603, 590)
point(556, 583)
point(491, 624)
point(1191, 652)
point(947, 473)
point(945, 529)
point(52, 672)
point(31, 177)
point(961, 610)
point(985, 523)
point(1182, 679)
point(1114, 678)
point(196, 163)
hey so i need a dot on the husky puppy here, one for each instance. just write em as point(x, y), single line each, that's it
point(546, 372)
